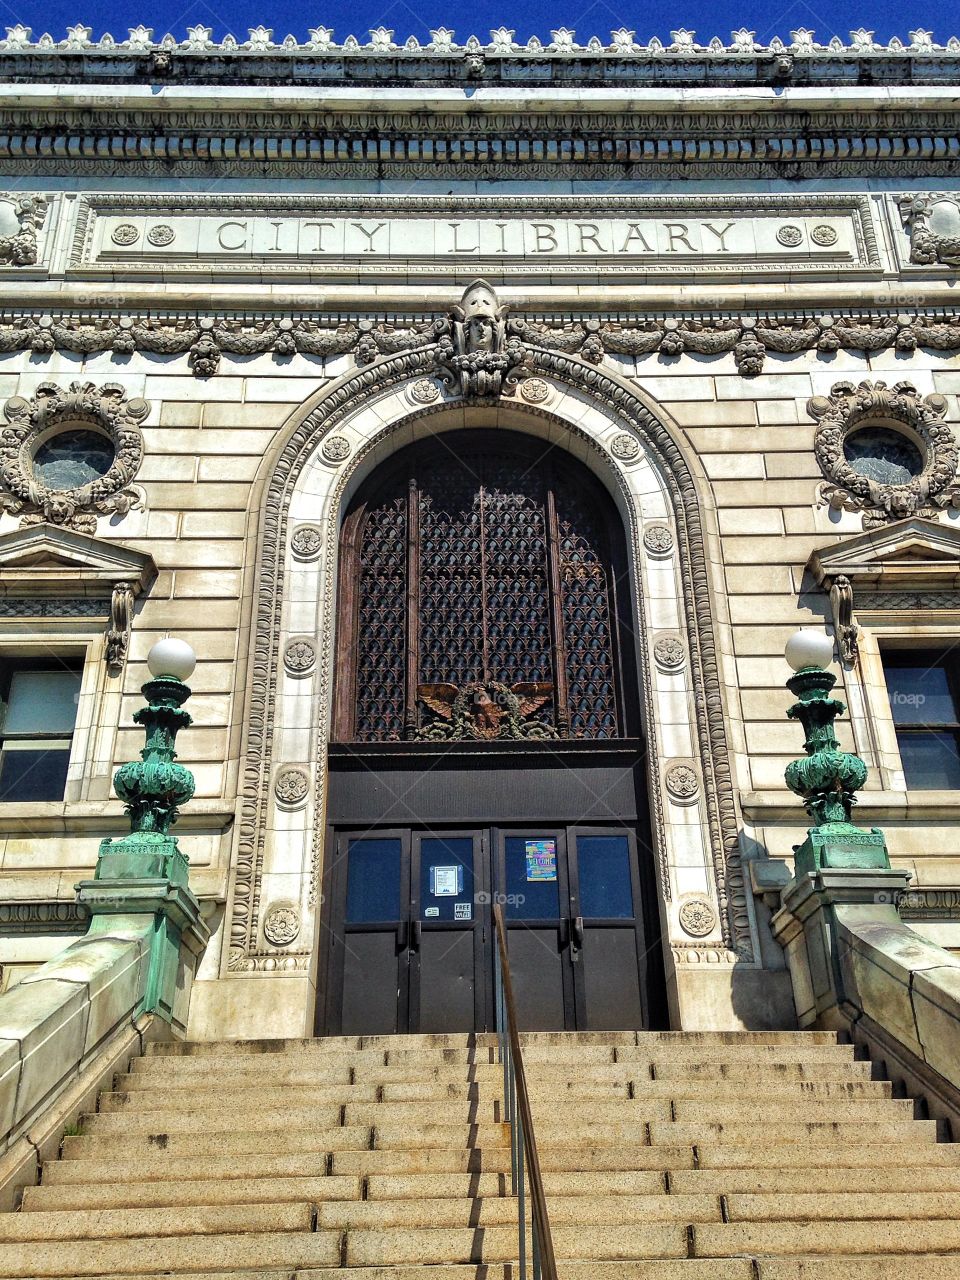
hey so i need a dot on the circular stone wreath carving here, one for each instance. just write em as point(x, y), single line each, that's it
point(682, 781)
point(790, 236)
point(658, 539)
point(625, 447)
point(307, 542)
point(336, 448)
point(53, 412)
point(126, 233)
point(424, 391)
point(697, 917)
point(291, 786)
point(161, 235)
point(299, 656)
point(668, 651)
point(824, 235)
point(281, 924)
point(534, 390)
point(849, 409)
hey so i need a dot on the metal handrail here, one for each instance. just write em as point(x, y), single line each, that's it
point(524, 1161)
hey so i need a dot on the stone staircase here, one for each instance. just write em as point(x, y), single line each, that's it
point(666, 1156)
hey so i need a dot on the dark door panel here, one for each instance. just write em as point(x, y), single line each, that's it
point(448, 948)
point(447, 984)
point(371, 985)
point(611, 983)
point(538, 959)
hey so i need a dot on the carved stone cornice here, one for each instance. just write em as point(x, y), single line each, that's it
point(207, 338)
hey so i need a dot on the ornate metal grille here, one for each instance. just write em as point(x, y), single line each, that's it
point(480, 601)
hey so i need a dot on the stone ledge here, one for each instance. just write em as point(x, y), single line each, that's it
point(100, 818)
point(872, 806)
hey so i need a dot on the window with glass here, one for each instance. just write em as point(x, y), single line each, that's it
point(38, 714)
point(923, 686)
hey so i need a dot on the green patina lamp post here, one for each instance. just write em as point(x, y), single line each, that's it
point(827, 779)
point(140, 883)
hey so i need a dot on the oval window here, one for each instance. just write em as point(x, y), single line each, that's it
point(72, 459)
point(883, 455)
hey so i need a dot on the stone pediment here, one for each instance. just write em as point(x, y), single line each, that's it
point(47, 572)
point(46, 559)
point(908, 554)
point(910, 566)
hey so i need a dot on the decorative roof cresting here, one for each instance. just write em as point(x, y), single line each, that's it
point(501, 42)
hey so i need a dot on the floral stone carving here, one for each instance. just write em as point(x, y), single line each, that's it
point(291, 786)
point(99, 415)
point(299, 656)
point(668, 651)
point(281, 924)
point(658, 539)
point(697, 917)
point(857, 483)
point(307, 542)
point(682, 781)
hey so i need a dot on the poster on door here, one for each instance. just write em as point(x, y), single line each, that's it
point(541, 860)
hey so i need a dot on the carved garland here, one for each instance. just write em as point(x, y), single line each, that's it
point(849, 408)
point(929, 246)
point(342, 402)
point(206, 339)
point(105, 408)
point(20, 249)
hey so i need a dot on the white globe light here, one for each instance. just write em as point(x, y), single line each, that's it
point(172, 657)
point(809, 648)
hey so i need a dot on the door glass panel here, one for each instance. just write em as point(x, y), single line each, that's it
point(603, 865)
point(446, 878)
point(532, 890)
point(373, 880)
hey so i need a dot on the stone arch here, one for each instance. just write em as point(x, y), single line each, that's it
point(338, 437)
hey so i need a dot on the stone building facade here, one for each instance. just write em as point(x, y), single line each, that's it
point(710, 287)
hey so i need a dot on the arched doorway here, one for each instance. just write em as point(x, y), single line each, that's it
point(486, 745)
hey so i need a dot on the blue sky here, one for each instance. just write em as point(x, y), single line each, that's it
point(527, 17)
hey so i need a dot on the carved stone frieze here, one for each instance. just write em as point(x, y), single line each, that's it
point(52, 410)
point(850, 409)
point(933, 221)
point(748, 339)
point(21, 218)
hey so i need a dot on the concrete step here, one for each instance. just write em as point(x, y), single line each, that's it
point(252, 1072)
point(914, 1205)
point(897, 1236)
point(825, 1133)
point(501, 1211)
point(104, 1224)
point(197, 1191)
point(150, 1255)
point(867, 1153)
point(569, 1052)
point(440, 1041)
point(499, 1244)
point(143, 1091)
point(154, 1163)
point(783, 1181)
point(97, 1194)
point(643, 1269)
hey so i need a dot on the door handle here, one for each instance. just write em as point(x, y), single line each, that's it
point(415, 931)
point(576, 932)
point(401, 935)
